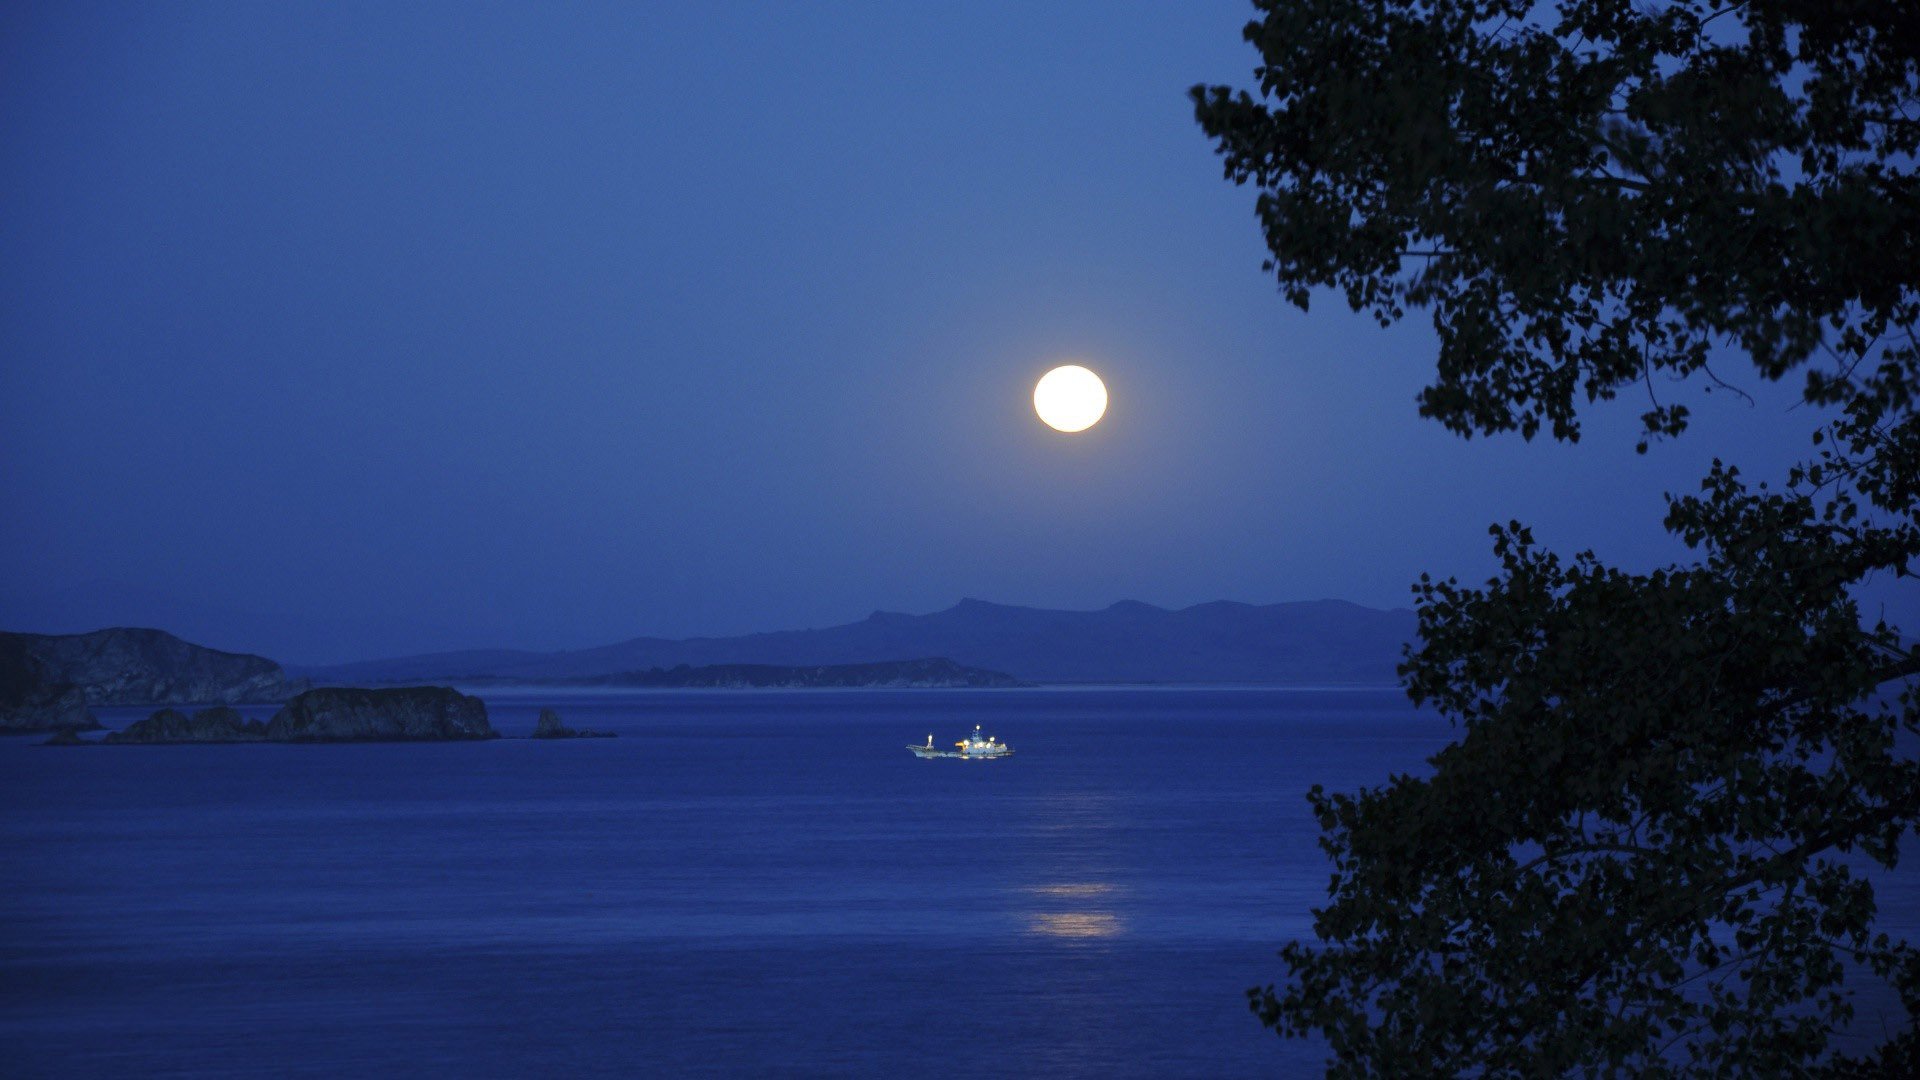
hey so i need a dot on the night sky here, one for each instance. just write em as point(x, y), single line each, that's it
point(458, 325)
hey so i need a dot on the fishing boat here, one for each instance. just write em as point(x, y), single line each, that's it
point(975, 747)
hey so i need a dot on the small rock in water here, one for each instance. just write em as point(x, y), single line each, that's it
point(550, 727)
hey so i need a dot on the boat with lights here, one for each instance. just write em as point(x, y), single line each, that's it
point(974, 747)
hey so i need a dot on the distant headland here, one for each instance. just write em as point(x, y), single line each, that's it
point(48, 682)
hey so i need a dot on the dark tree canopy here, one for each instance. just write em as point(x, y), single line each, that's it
point(1644, 852)
point(1588, 193)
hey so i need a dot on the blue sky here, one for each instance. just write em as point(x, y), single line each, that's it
point(546, 325)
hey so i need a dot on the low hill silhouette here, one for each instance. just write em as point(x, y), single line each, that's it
point(1319, 643)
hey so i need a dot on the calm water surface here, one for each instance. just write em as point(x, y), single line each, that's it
point(743, 882)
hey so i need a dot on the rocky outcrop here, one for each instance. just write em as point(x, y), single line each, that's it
point(219, 724)
point(150, 667)
point(549, 726)
point(35, 699)
point(404, 713)
point(400, 714)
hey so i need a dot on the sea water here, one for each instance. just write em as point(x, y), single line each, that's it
point(741, 883)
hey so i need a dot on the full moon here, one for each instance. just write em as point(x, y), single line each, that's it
point(1070, 398)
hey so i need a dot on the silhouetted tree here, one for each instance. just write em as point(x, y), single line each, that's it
point(1642, 852)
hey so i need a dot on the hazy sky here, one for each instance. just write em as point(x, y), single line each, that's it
point(547, 325)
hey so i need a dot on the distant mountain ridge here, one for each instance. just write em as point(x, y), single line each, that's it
point(930, 673)
point(1316, 642)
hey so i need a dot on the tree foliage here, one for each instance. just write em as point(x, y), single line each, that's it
point(1643, 853)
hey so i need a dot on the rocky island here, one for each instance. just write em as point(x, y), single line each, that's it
point(400, 713)
point(335, 714)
